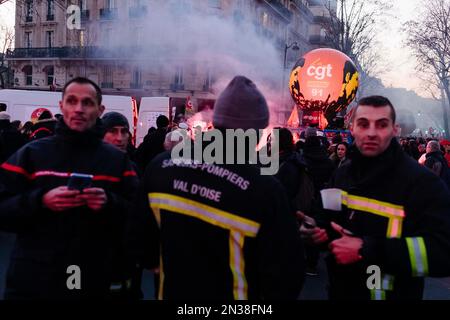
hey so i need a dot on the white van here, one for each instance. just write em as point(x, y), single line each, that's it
point(20, 104)
point(149, 110)
point(151, 107)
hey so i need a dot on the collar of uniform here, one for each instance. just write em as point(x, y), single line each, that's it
point(366, 170)
point(88, 137)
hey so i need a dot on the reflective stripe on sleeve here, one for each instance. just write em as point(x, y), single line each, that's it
point(237, 265)
point(418, 256)
point(377, 295)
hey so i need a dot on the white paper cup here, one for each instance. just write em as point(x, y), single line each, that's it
point(332, 199)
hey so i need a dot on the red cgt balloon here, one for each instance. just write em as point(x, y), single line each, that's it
point(324, 80)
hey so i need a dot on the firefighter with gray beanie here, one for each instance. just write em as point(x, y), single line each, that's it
point(223, 231)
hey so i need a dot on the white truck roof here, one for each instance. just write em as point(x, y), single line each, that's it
point(20, 104)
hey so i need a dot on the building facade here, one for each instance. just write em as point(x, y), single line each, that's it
point(54, 44)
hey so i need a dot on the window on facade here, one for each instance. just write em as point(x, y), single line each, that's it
point(50, 10)
point(50, 72)
point(29, 10)
point(265, 19)
point(28, 71)
point(28, 41)
point(83, 5)
point(178, 79)
point(215, 3)
point(82, 38)
point(137, 34)
point(180, 6)
point(107, 77)
point(208, 81)
point(107, 34)
point(137, 77)
point(49, 39)
point(110, 4)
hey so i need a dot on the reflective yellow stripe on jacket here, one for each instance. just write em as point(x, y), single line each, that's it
point(394, 213)
point(239, 228)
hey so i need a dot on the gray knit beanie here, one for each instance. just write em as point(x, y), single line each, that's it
point(241, 106)
point(114, 119)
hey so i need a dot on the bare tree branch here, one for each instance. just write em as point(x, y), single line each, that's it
point(429, 40)
point(352, 30)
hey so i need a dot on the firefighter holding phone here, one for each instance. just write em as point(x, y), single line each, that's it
point(66, 197)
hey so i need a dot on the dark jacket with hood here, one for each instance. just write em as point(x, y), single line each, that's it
point(319, 165)
point(152, 145)
point(402, 212)
point(48, 243)
point(10, 140)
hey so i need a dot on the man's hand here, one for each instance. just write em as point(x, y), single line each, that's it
point(95, 198)
point(345, 249)
point(62, 199)
point(309, 231)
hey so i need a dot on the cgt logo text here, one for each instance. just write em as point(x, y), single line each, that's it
point(320, 72)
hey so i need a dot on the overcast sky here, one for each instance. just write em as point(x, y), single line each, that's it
point(401, 65)
point(398, 57)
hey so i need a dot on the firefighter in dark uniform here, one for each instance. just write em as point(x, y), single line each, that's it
point(224, 230)
point(394, 226)
point(58, 228)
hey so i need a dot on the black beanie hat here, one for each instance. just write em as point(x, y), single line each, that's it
point(241, 106)
point(114, 119)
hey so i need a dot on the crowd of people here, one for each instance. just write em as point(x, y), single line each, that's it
point(219, 231)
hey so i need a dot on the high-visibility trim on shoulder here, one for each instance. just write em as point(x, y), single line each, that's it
point(395, 213)
point(204, 212)
point(381, 208)
point(417, 256)
point(15, 169)
point(237, 265)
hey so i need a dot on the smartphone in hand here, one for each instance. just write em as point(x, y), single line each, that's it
point(79, 181)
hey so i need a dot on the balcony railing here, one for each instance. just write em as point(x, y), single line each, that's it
point(85, 52)
point(107, 85)
point(301, 5)
point(176, 86)
point(317, 40)
point(50, 17)
point(280, 8)
point(135, 85)
point(108, 13)
point(85, 15)
point(137, 12)
point(36, 53)
point(321, 20)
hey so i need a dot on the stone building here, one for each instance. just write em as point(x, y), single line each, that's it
point(57, 40)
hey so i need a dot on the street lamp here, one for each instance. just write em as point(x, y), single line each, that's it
point(294, 47)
